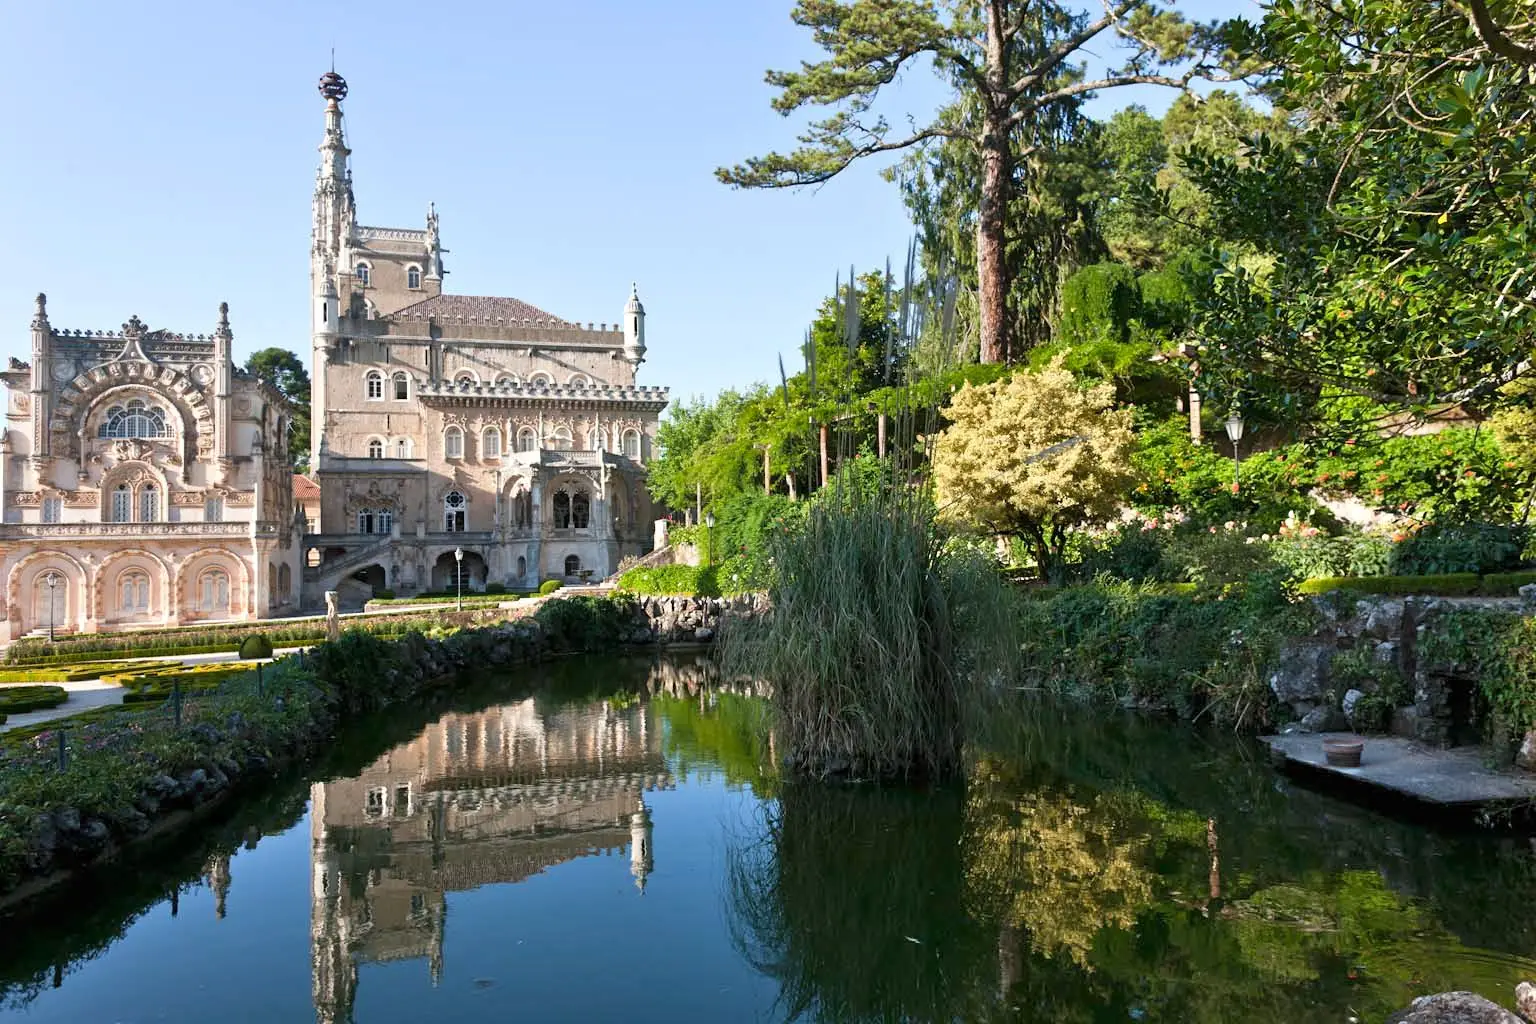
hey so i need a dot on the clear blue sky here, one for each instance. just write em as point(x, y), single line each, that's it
point(159, 159)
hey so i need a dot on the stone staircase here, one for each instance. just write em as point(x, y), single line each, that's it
point(327, 575)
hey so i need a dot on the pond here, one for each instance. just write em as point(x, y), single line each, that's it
point(605, 839)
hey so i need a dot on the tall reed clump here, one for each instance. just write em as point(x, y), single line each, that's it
point(879, 633)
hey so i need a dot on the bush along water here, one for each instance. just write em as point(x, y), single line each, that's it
point(878, 634)
point(123, 769)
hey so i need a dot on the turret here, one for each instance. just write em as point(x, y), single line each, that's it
point(640, 859)
point(634, 328)
point(42, 359)
point(224, 372)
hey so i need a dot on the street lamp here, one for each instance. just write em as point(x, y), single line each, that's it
point(458, 571)
point(52, 579)
point(1235, 432)
point(709, 538)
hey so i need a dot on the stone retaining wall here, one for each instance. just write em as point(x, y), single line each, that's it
point(671, 620)
point(1435, 703)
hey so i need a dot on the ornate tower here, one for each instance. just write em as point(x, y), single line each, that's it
point(333, 213)
point(640, 860)
point(634, 328)
point(42, 363)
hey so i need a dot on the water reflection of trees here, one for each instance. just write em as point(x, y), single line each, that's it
point(1096, 872)
point(853, 901)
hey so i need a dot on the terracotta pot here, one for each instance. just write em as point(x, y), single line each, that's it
point(1343, 753)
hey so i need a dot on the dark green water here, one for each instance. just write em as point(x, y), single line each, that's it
point(604, 841)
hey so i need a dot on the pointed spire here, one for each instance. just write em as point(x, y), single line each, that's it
point(223, 330)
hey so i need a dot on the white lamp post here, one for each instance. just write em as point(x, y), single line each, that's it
point(458, 571)
point(1235, 433)
point(709, 537)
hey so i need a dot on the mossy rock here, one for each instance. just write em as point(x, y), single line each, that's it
point(255, 646)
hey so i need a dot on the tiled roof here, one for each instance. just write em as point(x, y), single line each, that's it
point(476, 306)
point(304, 487)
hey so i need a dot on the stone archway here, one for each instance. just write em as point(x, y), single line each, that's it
point(151, 598)
point(200, 593)
point(445, 569)
point(32, 604)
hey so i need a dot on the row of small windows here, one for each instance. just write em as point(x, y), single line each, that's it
point(364, 274)
point(399, 448)
point(559, 440)
point(209, 594)
point(123, 505)
point(400, 385)
point(572, 511)
point(136, 419)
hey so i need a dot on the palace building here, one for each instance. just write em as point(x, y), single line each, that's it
point(460, 439)
point(145, 481)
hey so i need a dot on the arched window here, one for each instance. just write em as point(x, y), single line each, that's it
point(375, 385)
point(490, 443)
point(402, 448)
point(527, 439)
point(136, 419)
point(213, 591)
point(465, 379)
point(580, 380)
point(133, 592)
point(149, 504)
point(453, 443)
point(581, 510)
point(540, 380)
point(413, 277)
point(364, 274)
point(506, 380)
point(562, 507)
point(375, 449)
point(572, 565)
point(632, 445)
point(402, 386)
point(594, 440)
point(454, 508)
point(560, 440)
point(122, 504)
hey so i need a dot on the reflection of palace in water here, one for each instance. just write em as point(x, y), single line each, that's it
point(477, 799)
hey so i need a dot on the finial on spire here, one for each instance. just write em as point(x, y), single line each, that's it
point(332, 86)
point(224, 317)
point(40, 317)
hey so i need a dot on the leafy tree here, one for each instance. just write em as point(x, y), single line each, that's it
point(285, 371)
point(1035, 456)
point(1399, 221)
point(1010, 61)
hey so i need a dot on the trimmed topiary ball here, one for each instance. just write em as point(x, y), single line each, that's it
point(549, 586)
point(255, 646)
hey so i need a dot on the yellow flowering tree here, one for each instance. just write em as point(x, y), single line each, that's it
point(1035, 456)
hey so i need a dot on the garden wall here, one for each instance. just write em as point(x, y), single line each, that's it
point(1407, 665)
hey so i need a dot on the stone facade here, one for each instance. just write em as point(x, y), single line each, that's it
point(144, 480)
point(452, 423)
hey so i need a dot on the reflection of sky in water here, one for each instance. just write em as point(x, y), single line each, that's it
point(487, 869)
